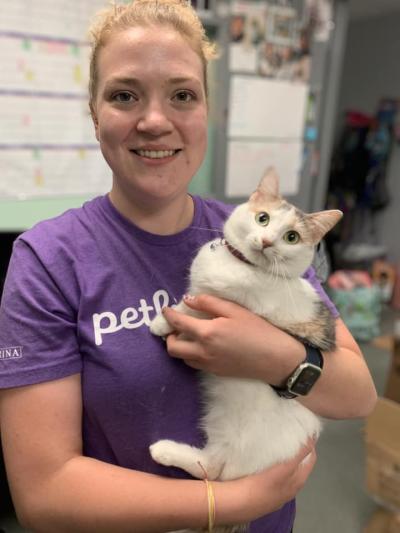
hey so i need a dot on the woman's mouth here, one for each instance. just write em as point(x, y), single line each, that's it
point(156, 154)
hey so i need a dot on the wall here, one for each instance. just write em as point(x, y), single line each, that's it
point(371, 71)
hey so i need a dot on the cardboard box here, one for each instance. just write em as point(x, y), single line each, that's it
point(392, 390)
point(383, 521)
point(383, 453)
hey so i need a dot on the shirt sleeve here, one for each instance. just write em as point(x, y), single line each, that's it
point(37, 325)
point(311, 277)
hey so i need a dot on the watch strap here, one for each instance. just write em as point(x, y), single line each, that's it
point(313, 357)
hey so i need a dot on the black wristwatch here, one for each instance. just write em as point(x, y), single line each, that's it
point(302, 380)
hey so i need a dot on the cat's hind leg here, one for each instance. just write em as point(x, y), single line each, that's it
point(197, 462)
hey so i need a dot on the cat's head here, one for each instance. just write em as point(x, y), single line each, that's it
point(274, 234)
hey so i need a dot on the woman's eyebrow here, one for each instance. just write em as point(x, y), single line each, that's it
point(122, 80)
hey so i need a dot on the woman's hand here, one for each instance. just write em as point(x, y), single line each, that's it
point(233, 342)
point(267, 491)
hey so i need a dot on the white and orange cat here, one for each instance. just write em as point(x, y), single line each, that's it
point(268, 244)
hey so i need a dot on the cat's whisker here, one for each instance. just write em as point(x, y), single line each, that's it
point(220, 231)
point(285, 276)
point(275, 270)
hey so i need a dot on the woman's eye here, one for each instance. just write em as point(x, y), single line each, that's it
point(184, 96)
point(262, 218)
point(291, 237)
point(123, 97)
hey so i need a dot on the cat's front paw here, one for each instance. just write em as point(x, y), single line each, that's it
point(165, 452)
point(159, 326)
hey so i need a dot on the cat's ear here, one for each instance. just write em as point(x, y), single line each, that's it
point(322, 222)
point(268, 188)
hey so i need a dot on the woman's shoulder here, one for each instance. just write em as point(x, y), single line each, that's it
point(67, 229)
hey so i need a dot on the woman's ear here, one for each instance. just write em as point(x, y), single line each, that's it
point(95, 120)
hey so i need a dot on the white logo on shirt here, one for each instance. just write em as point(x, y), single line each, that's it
point(130, 317)
point(12, 352)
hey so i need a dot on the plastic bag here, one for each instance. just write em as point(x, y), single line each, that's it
point(360, 309)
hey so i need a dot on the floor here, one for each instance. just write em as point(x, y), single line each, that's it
point(334, 499)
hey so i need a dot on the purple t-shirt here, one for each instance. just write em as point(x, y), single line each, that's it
point(80, 292)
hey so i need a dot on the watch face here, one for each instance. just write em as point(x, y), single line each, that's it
point(304, 382)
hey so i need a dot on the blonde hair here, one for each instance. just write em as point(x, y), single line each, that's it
point(175, 14)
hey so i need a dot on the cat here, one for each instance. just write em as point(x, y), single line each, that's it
point(268, 244)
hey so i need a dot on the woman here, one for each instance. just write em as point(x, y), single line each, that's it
point(87, 389)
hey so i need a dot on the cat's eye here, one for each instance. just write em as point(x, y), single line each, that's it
point(262, 218)
point(291, 237)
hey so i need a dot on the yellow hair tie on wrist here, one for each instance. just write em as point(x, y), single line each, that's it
point(211, 505)
point(210, 500)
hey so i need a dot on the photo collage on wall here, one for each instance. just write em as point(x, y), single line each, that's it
point(273, 39)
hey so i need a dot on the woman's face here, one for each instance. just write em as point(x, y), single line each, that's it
point(150, 113)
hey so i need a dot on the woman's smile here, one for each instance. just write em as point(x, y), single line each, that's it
point(156, 155)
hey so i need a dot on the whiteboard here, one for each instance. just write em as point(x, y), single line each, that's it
point(261, 107)
point(47, 142)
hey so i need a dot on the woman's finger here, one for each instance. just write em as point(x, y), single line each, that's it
point(182, 323)
point(212, 305)
point(181, 348)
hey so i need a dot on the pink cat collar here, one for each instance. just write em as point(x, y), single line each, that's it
point(237, 254)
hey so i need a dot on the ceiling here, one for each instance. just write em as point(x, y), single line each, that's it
point(373, 8)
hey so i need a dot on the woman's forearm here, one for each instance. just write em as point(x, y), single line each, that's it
point(87, 495)
point(345, 388)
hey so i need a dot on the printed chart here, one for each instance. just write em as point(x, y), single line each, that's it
point(47, 142)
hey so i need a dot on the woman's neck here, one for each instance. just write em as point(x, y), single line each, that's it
point(165, 217)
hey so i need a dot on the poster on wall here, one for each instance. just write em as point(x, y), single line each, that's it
point(246, 32)
point(318, 17)
point(284, 54)
point(273, 39)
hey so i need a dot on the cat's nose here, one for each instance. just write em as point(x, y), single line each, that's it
point(266, 243)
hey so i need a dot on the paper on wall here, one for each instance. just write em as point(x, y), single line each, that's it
point(247, 161)
point(266, 108)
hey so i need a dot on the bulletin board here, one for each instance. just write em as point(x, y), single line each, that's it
point(278, 55)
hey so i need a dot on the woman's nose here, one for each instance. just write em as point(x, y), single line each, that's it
point(154, 120)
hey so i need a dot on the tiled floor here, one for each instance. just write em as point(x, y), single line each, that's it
point(334, 499)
